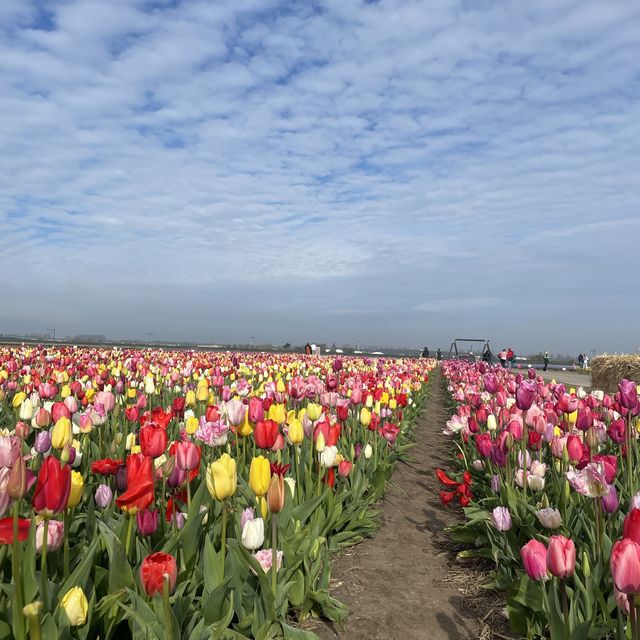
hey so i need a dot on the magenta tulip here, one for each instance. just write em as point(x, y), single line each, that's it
point(534, 558)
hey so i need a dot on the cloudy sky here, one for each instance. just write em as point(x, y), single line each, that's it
point(390, 172)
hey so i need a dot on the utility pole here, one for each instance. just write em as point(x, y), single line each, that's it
point(150, 334)
point(52, 333)
point(252, 339)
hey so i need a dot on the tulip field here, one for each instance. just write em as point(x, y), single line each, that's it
point(548, 479)
point(181, 494)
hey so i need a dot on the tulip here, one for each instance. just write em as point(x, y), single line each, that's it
point(153, 441)
point(75, 605)
point(55, 535)
point(549, 518)
point(625, 566)
point(501, 518)
point(628, 394)
point(314, 411)
point(222, 478)
point(235, 412)
point(256, 410)
point(147, 522)
point(491, 422)
point(259, 475)
point(52, 487)
point(295, 432)
point(367, 452)
point(574, 448)
point(561, 557)
point(610, 502)
point(525, 395)
point(328, 456)
point(266, 433)
point(75, 493)
point(153, 571)
point(276, 494)
point(277, 413)
point(253, 534)
point(103, 495)
point(365, 417)
point(534, 558)
point(265, 558)
point(62, 433)
point(139, 492)
point(17, 485)
point(344, 468)
point(187, 455)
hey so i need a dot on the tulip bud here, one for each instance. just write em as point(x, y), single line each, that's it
point(253, 534)
point(77, 484)
point(147, 522)
point(43, 442)
point(22, 430)
point(320, 444)
point(65, 454)
point(368, 451)
point(275, 494)
point(17, 484)
point(103, 496)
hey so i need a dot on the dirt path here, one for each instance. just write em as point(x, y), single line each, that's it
point(402, 583)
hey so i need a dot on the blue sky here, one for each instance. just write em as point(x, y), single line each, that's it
point(389, 172)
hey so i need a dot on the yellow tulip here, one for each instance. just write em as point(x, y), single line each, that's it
point(393, 403)
point(62, 433)
point(259, 475)
point(365, 416)
point(222, 478)
point(296, 432)
point(131, 393)
point(573, 416)
point(245, 429)
point(280, 388)
point(190, 398)
point(202, 392)
point(191, 425)
point(90, 394)
point(277, 413)
point(77, 484)
point(131, 441)
point(291, 415)
point(65, 392)
point(262, 505)
point(75, 605)
point(384, 398)
point(320, 443)
point(376, 407)
point(369, 401)
point(18, 399)
point(314, 411)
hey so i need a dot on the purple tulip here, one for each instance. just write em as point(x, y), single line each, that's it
point(147, 522)
point(525, 394)
point(104, 495)
point(43, 442)
point(584, 421)
point(610, 502)
point(121, 479)
point(490, 382)
point(247, 515)
point(495, 483)
point(628, 393)
point(501, 519)
point(532, 374)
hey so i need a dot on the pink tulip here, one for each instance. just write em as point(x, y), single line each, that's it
point(625, 566)
point(235, 412)
point(561, 556)
point(534, 558)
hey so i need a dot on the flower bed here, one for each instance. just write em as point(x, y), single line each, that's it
point(548, 480)
point(186, 494)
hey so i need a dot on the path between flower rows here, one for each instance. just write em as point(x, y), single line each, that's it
point(399, 584)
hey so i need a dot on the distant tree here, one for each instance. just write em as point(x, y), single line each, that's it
point(286, 345)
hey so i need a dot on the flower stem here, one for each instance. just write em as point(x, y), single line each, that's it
point(274, 552)
point(44, 582)
point(223, 544)
point(65, 549)
point(16, 561)
point(129, 535)
point(166, 607)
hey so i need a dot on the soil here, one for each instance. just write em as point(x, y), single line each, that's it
point(405, 583)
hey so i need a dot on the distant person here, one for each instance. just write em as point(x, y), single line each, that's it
point(487, 356)
point(439, 354)
point(510, 357)
point(585, 361)
point(502, 356)
point(307, 349)
point(425, 352)
point(546, 360)
point(580, 361)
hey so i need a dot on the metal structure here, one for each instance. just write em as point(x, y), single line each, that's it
point(456, 353)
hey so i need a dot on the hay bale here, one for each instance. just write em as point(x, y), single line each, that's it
point(608, 370)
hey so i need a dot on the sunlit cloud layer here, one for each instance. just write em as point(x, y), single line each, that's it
point(389, 172)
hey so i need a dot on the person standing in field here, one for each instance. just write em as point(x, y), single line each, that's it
point(546, 360)
point(580, 361)
point(439, 354)
point(510, 357)
point(502, 356)
point(307, 349)
point(425, 352)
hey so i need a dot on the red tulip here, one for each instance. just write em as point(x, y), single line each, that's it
point(178, 406)
point(187, 455)
point(139, 494)
point(561, 557)
point(265, 434)
point(52, 487)
point(484, 445)
point(106, 467)
point(625, 566)
point(631, 527)
point(153, 440)
point(344, 468)
point(574, 448)
point(153, 570)
point(132, 413)
point(6, 530)
point(534, 558)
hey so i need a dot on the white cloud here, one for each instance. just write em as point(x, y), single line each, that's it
point(365, 154)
